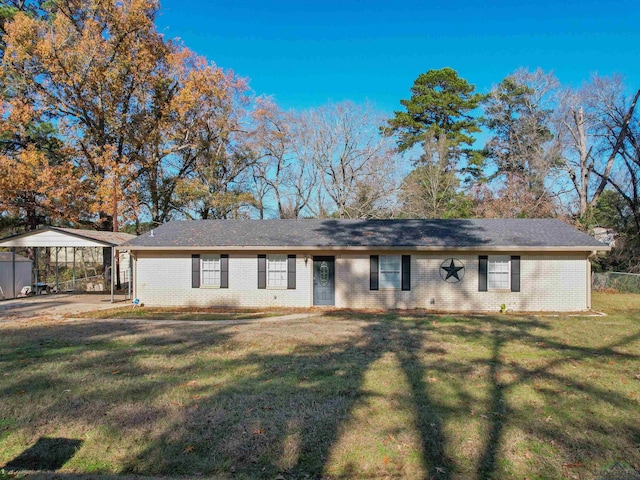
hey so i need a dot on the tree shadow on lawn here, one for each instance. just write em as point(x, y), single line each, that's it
point(256, 411)
point(577, 436)
point(296, 406)
point(287, 415)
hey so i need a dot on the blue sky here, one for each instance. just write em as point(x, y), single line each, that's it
point(306, 53)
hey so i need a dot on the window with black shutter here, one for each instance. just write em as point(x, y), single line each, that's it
point(224, 271)
point(374, 274)
point(515, 274)
point(195, 271)
point(262, 271)
point(406, 272)
point(291, 272)
point(483, 261)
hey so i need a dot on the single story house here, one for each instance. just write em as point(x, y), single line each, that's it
point(454, 265)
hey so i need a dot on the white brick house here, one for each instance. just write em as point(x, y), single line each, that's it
point(452, 265)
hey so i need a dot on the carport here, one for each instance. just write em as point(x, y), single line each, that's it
point(55, 237)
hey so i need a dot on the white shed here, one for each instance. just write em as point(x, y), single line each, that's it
point(23, 272)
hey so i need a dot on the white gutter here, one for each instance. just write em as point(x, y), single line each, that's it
point(307, 248)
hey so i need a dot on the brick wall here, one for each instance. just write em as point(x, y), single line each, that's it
point(164, 278)
point(551, 282)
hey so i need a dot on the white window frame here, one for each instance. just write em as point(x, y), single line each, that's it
point(277, 271)
point(499, 272)
point(390, 272)
point(210, 270)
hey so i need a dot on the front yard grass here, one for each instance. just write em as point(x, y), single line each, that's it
point(344, 395)
point(183, 314)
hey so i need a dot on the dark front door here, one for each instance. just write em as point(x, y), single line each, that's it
point(324, 281)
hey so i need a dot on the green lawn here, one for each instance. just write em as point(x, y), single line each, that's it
point(345, 395)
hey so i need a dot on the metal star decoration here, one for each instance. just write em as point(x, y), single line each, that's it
point(453, 273)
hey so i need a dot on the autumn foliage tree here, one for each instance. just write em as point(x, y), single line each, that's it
point(149, 127)
point(36, 182)
point(195, 155)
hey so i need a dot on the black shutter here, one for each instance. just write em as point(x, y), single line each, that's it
point(482, 273)
point(195, 271)
point(515, 274)
point(291, 272)
point(224, 271)
point(406, 272)
point(262, 271)
point(373, 277)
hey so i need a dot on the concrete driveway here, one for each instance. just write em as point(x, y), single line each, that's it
point(57, 305)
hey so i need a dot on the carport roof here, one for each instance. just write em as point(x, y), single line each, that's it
point(66, 237)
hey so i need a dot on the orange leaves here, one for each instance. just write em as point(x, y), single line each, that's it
point(141, 118)
point(21, 114)
point(94, 76)
point(29, 172)
point(21, 38)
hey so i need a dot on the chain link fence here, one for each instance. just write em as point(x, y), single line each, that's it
point(622, 282)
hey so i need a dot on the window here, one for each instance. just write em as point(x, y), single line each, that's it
point(499, 273)
point(210, 270)
point(390, 271)
point(277, 271)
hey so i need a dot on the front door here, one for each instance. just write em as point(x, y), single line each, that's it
point(324, 281)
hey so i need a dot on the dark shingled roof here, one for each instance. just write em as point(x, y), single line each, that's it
point(487, 233)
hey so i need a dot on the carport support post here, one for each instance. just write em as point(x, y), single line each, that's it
point(74, 269)
point(113, 262)
point(57, 277)
point(13, 270)
point(35, 249)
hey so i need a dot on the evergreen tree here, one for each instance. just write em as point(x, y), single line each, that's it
point(523, 148)
point(440, 105)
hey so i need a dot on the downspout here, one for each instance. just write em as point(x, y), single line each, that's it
point(589, 281)
point(37, 273)
point(13, 271)
point(74, 269)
